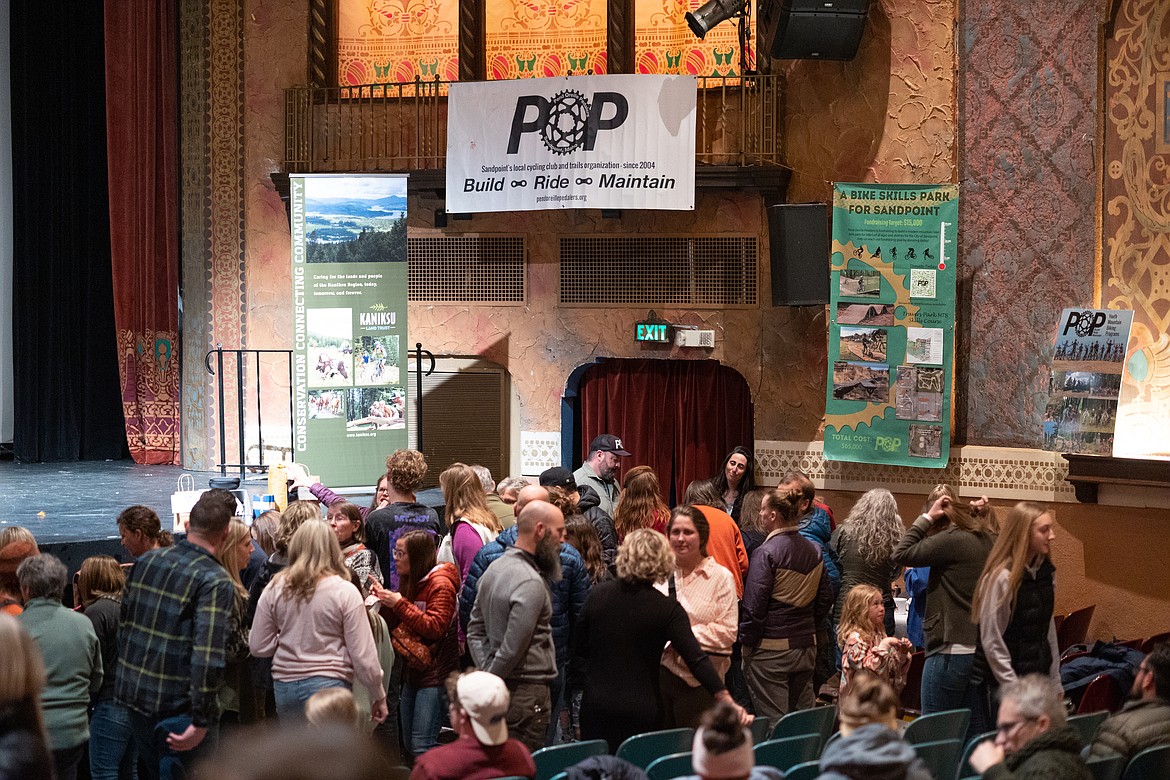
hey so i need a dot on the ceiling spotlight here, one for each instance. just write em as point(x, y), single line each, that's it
point(711, 13)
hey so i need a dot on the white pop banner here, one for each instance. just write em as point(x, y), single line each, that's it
point(608, 142)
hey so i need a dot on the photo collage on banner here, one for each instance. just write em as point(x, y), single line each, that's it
point(1085, 382)
point(349, 324)
point(891, 324)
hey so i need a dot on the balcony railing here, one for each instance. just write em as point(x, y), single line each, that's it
point(403, 127)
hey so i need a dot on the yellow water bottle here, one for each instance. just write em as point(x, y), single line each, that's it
point(278, 485)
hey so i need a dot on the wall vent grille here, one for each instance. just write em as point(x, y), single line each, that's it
point(466, 269)
point(693, 271)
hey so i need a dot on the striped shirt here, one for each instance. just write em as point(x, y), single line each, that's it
point(708, 596)
point(175, 614)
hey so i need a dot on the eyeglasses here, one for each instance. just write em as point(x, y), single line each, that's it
point(399, 553)
point(1006, 729)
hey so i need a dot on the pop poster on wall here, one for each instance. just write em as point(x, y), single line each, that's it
point(349, 323)
point(1085, 382)
point(891, 324)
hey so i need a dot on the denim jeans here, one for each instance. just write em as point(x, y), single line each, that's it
point(556, 691)
point(422, 716)
point(291, 696)
point(111, 745)
point(946, 685)
point(159, 762)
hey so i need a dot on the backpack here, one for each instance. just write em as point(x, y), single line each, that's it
point(446, 552)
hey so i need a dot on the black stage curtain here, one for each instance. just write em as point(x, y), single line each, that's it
point(65, 370)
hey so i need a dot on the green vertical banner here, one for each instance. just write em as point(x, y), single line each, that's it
point(892, 324)
point(349, 324)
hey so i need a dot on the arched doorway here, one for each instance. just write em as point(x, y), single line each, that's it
point(680, 417)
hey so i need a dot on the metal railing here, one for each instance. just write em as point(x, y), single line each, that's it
point(261, 378)
point(403, 126)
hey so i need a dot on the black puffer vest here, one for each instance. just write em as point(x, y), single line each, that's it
point(1026, 635)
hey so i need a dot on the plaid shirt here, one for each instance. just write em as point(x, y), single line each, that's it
point(175, 615)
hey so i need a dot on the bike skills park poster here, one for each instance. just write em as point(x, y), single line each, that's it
point(349, 323)
point(892, 324)
point(1085, 383)
point(598, 142)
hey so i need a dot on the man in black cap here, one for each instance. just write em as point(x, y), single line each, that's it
point(587, 502)
point(599, 468)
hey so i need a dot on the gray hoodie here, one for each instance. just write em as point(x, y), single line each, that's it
point(510, 633)
point(872, 752)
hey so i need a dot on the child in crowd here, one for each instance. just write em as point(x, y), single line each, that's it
point(332, 706)
point(862, 636)
point(870, 746)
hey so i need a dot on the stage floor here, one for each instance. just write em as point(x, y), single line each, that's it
point(75, 502)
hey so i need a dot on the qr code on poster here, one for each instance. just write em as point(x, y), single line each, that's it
point(922, 281)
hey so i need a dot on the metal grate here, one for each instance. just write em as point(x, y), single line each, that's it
point(466, 269)
point(650, 270)
point(464, 419)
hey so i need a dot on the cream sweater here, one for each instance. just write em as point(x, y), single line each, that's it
point(327, 636)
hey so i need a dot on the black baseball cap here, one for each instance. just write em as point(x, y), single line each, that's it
point(558, 476)
point(607, 442)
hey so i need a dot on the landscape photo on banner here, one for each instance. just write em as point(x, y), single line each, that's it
point(598, 142)
point(349, 271)
point(891, 324)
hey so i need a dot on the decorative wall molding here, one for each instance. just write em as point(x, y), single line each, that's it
point(996, 472)
point(212, 211)
point(539, 450)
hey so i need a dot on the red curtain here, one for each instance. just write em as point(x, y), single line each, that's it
point(680, 417)
point(142, 145)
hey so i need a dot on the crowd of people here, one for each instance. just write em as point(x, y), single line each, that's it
point(575, 606)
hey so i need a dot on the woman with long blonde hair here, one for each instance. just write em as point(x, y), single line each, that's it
point(471, 524)
point(864, 543)
point(233, 552)
point(24, 747)
point(312, 622)
point(640, 503)
point(1014, 600)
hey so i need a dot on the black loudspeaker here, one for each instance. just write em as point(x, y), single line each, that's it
point(809, 30)
point(798, 244)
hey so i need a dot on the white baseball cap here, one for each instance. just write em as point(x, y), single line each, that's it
point(485, 698)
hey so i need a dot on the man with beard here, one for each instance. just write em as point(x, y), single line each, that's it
point(599, 469)
point(568, 593)
point(1144, 721)
point(510, 633)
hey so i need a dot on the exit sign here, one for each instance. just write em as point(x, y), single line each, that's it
point(654, 332)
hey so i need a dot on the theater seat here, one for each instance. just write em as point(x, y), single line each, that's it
point(1075, 628)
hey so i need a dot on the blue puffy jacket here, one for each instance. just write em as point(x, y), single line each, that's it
point(816, 527)
point(568, 595)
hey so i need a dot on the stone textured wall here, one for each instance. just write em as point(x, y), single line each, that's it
point(541, 342)
point(1027, 81)
point(1127, 582)
point(888, 116)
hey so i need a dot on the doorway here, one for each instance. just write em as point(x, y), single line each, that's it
point(680, 417)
